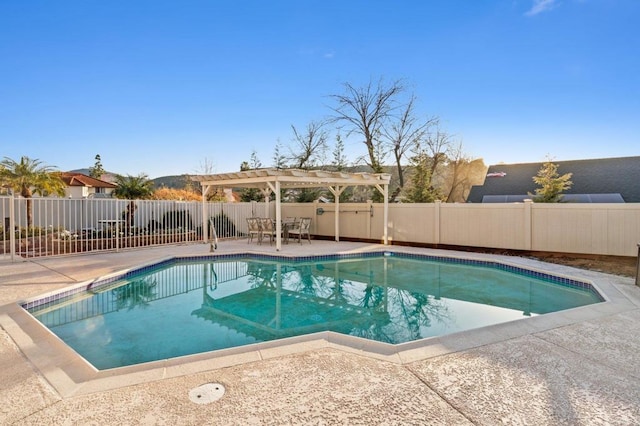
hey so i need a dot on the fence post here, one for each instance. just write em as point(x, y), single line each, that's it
point(12, 226)
point(369, 208)
point(527, 224)
point(118, 210)
point(205, 220)
point(436, 219)
point(315, 216)
point(638, 267)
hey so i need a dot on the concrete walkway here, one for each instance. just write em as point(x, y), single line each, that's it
point(576, 367)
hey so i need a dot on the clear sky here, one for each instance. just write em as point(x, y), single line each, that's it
point(163, 87)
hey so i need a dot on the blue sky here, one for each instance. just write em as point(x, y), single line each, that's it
point(163, 87)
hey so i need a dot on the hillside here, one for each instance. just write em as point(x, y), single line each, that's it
point(173, 182)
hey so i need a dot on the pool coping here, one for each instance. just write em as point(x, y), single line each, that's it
point(71, 375)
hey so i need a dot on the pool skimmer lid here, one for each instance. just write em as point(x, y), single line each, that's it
point(207, 393)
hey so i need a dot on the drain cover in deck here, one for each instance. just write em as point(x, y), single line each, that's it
point(207, 393)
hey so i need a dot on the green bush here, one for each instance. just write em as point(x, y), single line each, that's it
point(177, 219)
point(224, 226)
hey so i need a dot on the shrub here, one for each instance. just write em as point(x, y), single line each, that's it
point(177, 219)
point(224, 226)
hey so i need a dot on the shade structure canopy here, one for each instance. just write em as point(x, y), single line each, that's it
point(271, 181)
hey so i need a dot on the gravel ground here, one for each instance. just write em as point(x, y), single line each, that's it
point(616, 265)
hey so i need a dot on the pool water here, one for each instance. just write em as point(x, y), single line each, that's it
point(188, 307)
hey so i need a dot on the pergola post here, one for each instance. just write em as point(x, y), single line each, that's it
point(336, 218)
point(385, 226)
point(384, 189)
point(266, 192)
point(278, 217)
point(337, 191)
point(275, 188)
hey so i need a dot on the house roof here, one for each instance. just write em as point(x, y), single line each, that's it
point(79, 179)
point(601, 180)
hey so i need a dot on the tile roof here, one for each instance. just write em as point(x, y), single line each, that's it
point(603, 176)
point(79, 179)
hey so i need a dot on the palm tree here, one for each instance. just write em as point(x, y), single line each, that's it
point(133, 187)
point(28, 177)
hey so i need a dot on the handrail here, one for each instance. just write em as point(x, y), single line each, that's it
point(213, 242)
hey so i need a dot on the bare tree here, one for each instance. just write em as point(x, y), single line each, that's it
point(437, 146)
point(430, 152)
point(206, 167)
point(365, 111)
point(402, 134)
point(442, 170)
point(310, 147)
point(461, 174)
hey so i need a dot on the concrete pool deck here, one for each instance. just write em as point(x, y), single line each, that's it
point(580, 366)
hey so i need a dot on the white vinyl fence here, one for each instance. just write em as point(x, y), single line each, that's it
point(582, 228)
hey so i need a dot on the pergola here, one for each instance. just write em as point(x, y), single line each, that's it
point(271, 181)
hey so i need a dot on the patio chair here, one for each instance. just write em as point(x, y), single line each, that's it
point(268, 229)
point(301, 229)
point(287, 224)
point(290, 220)
point(253, 224)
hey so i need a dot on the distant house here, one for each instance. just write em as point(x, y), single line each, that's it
point(230, 196)
point(82, 186)
point(604, 180)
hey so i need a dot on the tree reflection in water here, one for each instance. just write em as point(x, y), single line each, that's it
point(373, 296)
point(419, 310)
point(393, 312)
point(262, 274)
point(298, 278)
point(305, 281)
point(136, 293)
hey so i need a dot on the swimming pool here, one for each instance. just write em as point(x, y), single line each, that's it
point(187, 306)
